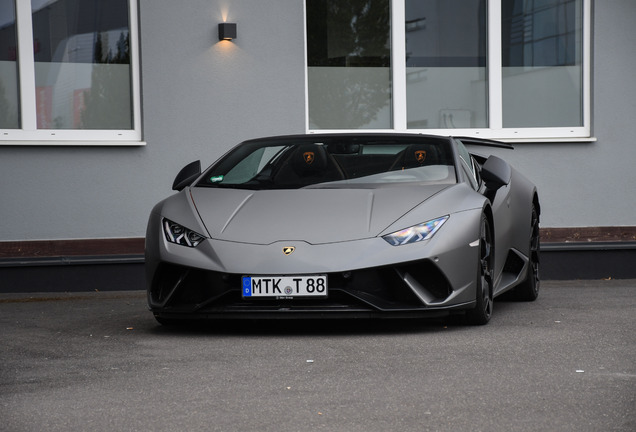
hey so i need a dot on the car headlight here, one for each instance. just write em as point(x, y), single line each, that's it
point(423, 231)
point(181, 235)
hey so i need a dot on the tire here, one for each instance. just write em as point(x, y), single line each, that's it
point(528, 290)
point(482, 312)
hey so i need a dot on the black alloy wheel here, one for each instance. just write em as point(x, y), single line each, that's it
point(528, 290)
point(482, 312)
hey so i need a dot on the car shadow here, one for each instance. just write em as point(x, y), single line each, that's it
point(313, 327)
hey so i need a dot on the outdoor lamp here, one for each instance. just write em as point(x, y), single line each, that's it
point(227, 31)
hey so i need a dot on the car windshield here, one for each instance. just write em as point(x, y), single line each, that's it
point(333, 162)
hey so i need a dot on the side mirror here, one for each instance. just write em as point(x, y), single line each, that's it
point(496, 173)
point(187, 175)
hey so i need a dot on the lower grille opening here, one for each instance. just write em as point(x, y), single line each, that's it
point(188, 286)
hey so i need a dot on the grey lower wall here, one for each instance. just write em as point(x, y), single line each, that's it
point(126, 273)
point(200, 97)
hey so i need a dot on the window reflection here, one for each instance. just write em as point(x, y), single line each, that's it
point(9, 105)
point(446, 82)
point(542, 63)
point(82, 64)
point(349, 70)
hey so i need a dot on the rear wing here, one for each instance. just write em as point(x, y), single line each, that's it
point(484, 142)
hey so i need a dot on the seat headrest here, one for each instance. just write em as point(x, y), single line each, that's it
point(417, 155)
point(309, 159)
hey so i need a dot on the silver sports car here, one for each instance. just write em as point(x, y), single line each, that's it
point(344, 225)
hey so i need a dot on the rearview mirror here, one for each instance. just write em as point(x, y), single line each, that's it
point(187, 175)
point(496, 173)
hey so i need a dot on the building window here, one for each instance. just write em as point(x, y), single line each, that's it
point(506, 69)
point(349, 64)
point(542, 54)
point(446, 79)
point(78, 79)
point(9, 102)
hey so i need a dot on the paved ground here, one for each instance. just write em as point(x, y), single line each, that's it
point(99, 362)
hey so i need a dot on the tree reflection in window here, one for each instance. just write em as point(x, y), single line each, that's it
point(106, 92)
point(348, 55)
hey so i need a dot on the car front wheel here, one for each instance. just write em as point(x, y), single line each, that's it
point(482, 312)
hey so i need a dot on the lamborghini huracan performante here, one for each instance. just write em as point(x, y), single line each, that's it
point(344, 225)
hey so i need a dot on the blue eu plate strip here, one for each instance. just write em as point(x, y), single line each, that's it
point(247, 286)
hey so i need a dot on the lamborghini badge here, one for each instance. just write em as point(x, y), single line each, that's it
point(420, 155)
point(309, 157)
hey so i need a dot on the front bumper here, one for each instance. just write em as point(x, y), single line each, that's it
point(416, 288)
point(367, 277)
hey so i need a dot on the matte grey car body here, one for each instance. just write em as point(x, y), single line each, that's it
point(383, 225)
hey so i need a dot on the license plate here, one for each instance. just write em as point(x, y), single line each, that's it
point(282, 287)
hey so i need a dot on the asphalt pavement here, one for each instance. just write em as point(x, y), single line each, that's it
point(98, 361)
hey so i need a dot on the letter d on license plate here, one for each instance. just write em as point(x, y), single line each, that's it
point(284, 286)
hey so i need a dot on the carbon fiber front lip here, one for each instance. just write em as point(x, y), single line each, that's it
point(305, 312)
point(297, 315)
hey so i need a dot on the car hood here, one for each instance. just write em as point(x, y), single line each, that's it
point(315, 216)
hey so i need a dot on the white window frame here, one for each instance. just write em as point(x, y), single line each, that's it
point(28, 133)
point(495, 83)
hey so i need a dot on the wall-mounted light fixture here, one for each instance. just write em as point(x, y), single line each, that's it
point(227, 31)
